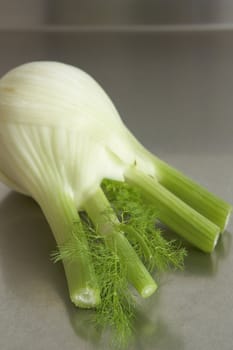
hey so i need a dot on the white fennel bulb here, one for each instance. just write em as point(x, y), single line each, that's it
point(65, 129)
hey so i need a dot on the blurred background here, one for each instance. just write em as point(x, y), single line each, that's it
point(167, 65)
point(160, 59)
point(35, 13)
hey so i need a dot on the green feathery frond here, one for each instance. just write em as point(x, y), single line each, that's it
point(137, 220)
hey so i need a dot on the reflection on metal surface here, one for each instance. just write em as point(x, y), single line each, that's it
point(148, 333)
point(199, 263)
point(82, 323)
point(155, 334)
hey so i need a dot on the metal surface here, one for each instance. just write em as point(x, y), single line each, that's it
point(174, 91)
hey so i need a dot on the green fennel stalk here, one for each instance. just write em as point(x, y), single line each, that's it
point(66, 224)
point(176, 214)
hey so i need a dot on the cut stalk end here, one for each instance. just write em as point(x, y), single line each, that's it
point(196, 196)
point(86, 298)
point(148, 290)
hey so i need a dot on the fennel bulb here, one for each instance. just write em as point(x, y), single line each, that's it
point(60, 137)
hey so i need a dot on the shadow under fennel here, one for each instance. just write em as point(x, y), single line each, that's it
point(26, 242)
